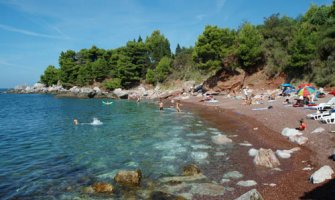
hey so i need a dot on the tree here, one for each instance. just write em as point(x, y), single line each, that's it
point(127, 72)
point(158, 47)
point(50, 76)
point(178, 49)
point(69, 67)
point(249, 47)
point(163, 69)
point(212, 46)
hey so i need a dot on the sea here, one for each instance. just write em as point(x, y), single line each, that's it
point(43, 155)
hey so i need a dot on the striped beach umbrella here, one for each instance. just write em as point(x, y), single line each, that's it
point(306, 91)
point(304, 85)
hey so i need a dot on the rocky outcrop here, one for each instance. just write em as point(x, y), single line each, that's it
point(191, 170)
point(122, 94)
point(251, 195)
point(128, 178)
point(266, 158)
point(324, 173)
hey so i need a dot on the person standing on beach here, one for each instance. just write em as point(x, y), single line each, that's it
point(161, 105)
point(178, 106)
point(245, 92)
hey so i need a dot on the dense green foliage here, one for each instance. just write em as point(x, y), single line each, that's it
point(50, 76)
point(301, 48)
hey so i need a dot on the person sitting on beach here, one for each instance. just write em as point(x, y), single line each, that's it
point(161, 105)
point(302, 125)
point(178, 106)
point(75, 121)
point(287, 101)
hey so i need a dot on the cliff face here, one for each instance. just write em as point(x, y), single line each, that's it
point(228, 80)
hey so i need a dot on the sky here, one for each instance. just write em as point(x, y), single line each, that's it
point(33, 33)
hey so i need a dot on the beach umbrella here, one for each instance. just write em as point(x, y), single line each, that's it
point(306, 91)
point(287, 85)
point(304, 85)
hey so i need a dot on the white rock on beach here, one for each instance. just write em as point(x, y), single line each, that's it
point(324, 173)
point(289, 132)
point(298, 139)
point(318, 130)
point(253, 152)
point(284, 153)
point(247, 183)
point(221, 139)
point(266, 158)
point(251, 195)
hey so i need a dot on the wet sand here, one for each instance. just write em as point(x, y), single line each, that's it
point(291, 182)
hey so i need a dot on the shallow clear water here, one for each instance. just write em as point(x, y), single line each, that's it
point(42, 153)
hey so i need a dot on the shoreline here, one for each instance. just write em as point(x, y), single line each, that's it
point(292, 182)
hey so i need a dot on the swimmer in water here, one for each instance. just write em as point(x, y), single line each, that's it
point(161, 105)
point(75, 121)
point(178, 106)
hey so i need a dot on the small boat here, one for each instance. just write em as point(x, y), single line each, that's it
point(107, 103)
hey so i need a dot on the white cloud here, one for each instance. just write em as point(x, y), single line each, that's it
point(220, 4)
point(31, 33)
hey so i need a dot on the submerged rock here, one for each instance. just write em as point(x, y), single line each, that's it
point(176, 179)
point(191, 170)
point(165, 196)
point(221, 139)
point(102, 187)
point(251, 195)
point(324, 173)
point(247, 183)
point(128, 178)
point(266, 158)
point(233, 175)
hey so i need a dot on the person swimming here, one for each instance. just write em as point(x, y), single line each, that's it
point(161, 105)
point(178, 106)
point(75, 121)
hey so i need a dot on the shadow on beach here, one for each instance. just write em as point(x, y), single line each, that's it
point(323, 192)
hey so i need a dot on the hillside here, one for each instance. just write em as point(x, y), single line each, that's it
point(281, 49)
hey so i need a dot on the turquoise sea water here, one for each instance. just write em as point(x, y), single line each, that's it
point(43, 153)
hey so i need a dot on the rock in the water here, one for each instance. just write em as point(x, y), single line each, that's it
point(251, 195)
point(191, 170)
point(165, 196)
point(128, 178)
point(209, 189)
point(102, 188)
point(324, 173)
point(88, 190)
point(266, 158)
point(175, 179)
point(247, 183)
point(233, 175)
point(221, 139)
